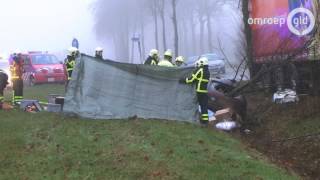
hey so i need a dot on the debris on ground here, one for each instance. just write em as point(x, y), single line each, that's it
point(229, 110)
point(31, 106)
point(285, 96)
point(223, 114)
point(227, 125)
point(288, 135)
point(6, 106)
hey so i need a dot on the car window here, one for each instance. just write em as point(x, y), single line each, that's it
point(44, 59)
point(192, 60)
point(26, 60)
point(3, 64)
point(212, 57)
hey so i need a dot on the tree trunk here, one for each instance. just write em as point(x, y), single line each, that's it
point(210, 46)
point(201, 45)
point(186, 41)
point(181, 39)
point(175, 25)
point(142, 42)
point(122, 41)
point(116, 45)
point(193, 37)
point(155, 17)
point(118, 42)
point(164, 38)
point(125, 37)
point(248, 34)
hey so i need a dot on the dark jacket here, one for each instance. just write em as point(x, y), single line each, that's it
point(201, 77)
point(151, 61)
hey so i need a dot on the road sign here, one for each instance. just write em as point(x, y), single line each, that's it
point(75, 43)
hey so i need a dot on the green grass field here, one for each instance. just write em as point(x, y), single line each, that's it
point(52, 146)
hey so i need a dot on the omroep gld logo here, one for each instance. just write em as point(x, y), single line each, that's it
point(301, 21)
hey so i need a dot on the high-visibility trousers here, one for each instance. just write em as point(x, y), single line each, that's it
point(203, 102)
point(1, 94)
point(17, 85)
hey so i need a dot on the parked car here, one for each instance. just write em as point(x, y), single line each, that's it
point(42, 67)
point(216, 63)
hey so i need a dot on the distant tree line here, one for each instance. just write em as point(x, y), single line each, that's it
point(185, 26)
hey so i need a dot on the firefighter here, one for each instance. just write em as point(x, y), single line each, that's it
point(3, 84)
point(99, 53)
point(153, 57)
point(72, 54)
point(200, 77)
point(167, 60)
point(76, 53)
point(179, 61)
point(16, 70)
point(70, 62)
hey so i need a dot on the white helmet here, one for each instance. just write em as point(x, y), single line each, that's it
point(72, 51)
point(154, 52)
point(202, 62)
point(180, 59)
point(17, 51)
point(168, 53)
point(99, 49)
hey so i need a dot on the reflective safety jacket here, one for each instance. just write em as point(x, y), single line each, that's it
point(70, 65)
point(165, 63)
point(16, 69)
point(151, 61)
point(201, 77)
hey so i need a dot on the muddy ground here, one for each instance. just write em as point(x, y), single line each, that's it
point(288, 134)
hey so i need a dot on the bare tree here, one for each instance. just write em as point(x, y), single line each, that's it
point(162, 15)
point(187, 29)
point(136, 17)
point(175, 25)
point(211, 7)
point(248, 34)
point(202, 21)
point(154, 8)
point(208, 14)
point(201, 12)
point(143, 47)
point(118, 30)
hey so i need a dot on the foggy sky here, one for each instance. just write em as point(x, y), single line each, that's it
point(50, 25)
point(46, 25)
